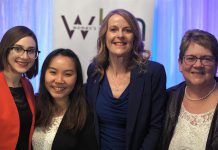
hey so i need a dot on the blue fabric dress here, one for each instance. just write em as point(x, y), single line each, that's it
point(112, 115)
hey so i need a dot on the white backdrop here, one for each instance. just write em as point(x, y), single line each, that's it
point(76, 23)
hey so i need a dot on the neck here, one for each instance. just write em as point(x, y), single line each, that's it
point(117, 67)
point(118, 64)
point(60, 107)
point(117, 70)
point(13, 80)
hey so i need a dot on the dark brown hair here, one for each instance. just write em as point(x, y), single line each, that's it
point(9, 39)
point(203, 38)
point(76, 113)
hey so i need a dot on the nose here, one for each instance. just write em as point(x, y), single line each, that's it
point(25, 54)
point(198, 63)
point(120, 33)
point(59, 79)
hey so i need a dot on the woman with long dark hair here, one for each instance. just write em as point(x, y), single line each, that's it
point(63, 120)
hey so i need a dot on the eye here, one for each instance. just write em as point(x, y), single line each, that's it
point(128, 30)
point(31, 50)
point(52, 72)
point(112, 29)
point(190, 58)
point(69, 74)
point(208, 58)
point(17, 49)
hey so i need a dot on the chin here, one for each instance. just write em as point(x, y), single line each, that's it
point(22, 70)
point(198, 82)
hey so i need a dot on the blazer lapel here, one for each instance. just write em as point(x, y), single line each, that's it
point(95, 88)
point(135, 97)
point(29, 94)
point(30, 99)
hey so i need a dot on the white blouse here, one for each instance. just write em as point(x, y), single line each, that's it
point(191, 131)
point(43, 139)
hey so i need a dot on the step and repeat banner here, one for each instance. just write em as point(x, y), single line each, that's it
point(76, 23)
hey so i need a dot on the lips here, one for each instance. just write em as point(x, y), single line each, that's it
point(120, 43)
point(58, 89)
point(198, 72)
point(22, 63)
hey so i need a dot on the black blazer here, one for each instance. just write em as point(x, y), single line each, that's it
point(83, 140)
point(145, 106)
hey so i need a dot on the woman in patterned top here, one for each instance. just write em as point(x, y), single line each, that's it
point(191, 118)
point(63, 121)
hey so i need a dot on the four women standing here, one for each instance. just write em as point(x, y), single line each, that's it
point(125, 90)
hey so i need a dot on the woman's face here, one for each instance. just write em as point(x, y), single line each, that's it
point(18, 62)
point(60, 77)
point(201, 72)
point(119, 36)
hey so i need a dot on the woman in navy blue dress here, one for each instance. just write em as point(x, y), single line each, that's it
point(125, 89)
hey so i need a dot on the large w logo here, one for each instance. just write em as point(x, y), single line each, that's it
point(83, 30)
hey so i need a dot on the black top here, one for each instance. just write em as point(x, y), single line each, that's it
point(25, 116)
point(82, 140)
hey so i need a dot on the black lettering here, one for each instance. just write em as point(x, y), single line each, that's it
point(70, 32)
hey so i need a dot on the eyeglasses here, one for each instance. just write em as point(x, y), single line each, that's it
point(205, 60)
point(31, 52)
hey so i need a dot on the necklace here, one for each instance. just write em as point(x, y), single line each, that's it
point(119, 83)
point(204, 97)
point(116, 85)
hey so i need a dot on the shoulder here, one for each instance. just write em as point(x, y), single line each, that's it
point(27, 83)
point(91, 69)
point(150, 73)
point(93, 73)
point(151, 67)
point(1, 74)
point(155, 66)
point(175, 93)
point(154, 63)
point(2, 79)
point(176, 87)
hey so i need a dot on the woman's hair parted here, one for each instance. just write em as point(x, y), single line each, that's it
point(203, 38)
point(101, 61)
point(75, 116)
point(12, 36)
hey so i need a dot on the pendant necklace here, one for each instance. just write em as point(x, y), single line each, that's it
point(116, 86)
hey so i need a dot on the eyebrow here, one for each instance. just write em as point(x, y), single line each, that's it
point(127, 26)
point(69, 70)
point(200, 56)
point(23, 46)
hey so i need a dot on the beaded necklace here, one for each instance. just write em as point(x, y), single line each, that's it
point(202, 98)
